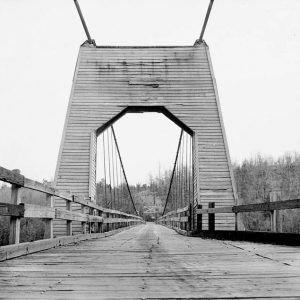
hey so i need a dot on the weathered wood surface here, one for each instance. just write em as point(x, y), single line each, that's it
point(153, 262)
point(264, 206)
point(110, 81)
point(34, 211)
point(16, 250)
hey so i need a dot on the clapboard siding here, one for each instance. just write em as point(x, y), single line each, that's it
point(109, 79)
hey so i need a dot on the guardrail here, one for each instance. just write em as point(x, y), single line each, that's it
point(95, 220)
point(179, 219)
point(271, 207)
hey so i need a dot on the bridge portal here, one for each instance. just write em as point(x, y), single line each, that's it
point(175, 80)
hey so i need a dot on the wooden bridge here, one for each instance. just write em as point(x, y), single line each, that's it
point(97, 246)
point(145, 261)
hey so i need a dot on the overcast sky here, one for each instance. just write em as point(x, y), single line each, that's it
point(254, 45)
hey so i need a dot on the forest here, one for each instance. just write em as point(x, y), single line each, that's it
point(259, 179)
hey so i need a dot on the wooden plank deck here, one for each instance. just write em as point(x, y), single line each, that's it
point(151, 262)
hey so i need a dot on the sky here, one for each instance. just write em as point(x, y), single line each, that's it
point(254, 47)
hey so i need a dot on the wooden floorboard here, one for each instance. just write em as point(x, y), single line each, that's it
point(152, 262)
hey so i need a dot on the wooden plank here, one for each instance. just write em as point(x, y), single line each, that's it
point(131, 265)
point(11, 177)
point(48, 234)
point(38, 211)
point(268, 206)
point(215, 210)
point(37, 186)
point(14, 225)
point(265, 206)
point(12, 251)
point(65, 214)
point(14, 210)
point(118, 220)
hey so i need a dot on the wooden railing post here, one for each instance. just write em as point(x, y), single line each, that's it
point(236, 220)
point(14, 228)
point(69, 222)
point(83, 224)
point(190, 217)
point(273, 220)
point(199, 219)
point(211, 217)
point(93, 224)
point(48, 234)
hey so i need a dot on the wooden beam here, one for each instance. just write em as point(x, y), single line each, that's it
point(11, 177)
point(38, 211)
point(48, 234)
point(14, 226)
point(118, 220)
point(266, 206)
point(12, 251)
point(13, 210)
point(19, 180)
point(37, 186)
point(228, 209)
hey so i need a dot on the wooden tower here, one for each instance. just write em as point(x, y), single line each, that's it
point(177, 81)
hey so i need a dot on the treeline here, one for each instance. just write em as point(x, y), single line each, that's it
point(263, 179)
point(148, 197)
point(260, 179)
point(32, 229)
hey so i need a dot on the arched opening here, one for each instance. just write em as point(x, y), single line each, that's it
point(144, 162)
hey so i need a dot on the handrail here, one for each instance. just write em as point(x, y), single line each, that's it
point(179, 219)
point(264, 206)
point(21, 181)
point(271, 207)
point(94, 219)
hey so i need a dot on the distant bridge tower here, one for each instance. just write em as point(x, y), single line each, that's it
point(177, 81)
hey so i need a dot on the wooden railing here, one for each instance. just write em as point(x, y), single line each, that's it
point(179, 219)
point(96, 221)
point(271, 207)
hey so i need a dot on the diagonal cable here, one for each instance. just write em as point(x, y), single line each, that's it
point(172, 177)
point(117, 146)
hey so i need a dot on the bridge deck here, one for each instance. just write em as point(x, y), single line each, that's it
point(151, 261)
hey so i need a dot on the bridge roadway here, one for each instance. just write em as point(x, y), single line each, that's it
point(150, 262)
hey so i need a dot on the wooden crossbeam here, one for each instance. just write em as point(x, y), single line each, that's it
point(12, 210)
point(20, 180)
point(267, 206)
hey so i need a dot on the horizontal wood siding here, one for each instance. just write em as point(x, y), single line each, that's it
point(109, 79)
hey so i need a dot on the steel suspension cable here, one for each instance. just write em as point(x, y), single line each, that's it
point(117, 177)
point(117, 146)
point(190, 169)
point(186, 170)
point(120, 187)
point(113, 170)
point(181, 174)
point(206, 20)
point(174, 169)
point(109, 169)
point(104, 165)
